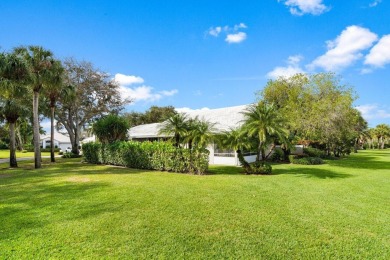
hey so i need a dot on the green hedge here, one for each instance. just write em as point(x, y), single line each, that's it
point(305, 160)
point(148, 155)
point(314, 152)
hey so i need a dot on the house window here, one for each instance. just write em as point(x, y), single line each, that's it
point(221, 152)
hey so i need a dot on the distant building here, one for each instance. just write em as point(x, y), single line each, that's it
point(60, 141)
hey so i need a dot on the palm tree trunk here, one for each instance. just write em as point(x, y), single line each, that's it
point(37, 148)
point(12, 146)
point(52, 158)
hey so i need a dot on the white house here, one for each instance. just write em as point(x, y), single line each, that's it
point(60, 140)
point(224, 119)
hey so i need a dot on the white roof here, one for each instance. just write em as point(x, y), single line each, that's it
point(224, 119)
point(57, 136)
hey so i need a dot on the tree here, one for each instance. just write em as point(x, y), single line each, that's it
point(263, 122)
point(177, 126)
point(199, 133)
point(39, 62)
point(154, 114)
point(317, 108)
point(93, 95)
point(53, 89)
point(382, 132)
point(110, 128)
point(13, 74)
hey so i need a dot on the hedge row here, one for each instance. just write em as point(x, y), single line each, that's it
point(148, 155)
point(305, 160)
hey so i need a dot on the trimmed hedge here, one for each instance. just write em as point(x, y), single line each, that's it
point(314, 152)
point(305, 160)
point(148, 155)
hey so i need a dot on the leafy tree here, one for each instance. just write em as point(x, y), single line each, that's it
point(39, 62)
point(154, 114)
point(93, 95)
point(199, 132)
point(110, 128)
point(13, 74)
point(317, 108)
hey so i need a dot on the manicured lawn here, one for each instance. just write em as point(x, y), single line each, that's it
point(73, 210)
point(5, 154)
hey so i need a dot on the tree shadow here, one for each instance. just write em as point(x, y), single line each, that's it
point(357, 162)
point(311, 172)
point(225, 170)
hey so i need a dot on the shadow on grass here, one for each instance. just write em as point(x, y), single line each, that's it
point(311, 172)
point(362, 162)
point(225, 170)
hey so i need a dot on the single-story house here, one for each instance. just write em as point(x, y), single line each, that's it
point(61, 141)
point(224, 119)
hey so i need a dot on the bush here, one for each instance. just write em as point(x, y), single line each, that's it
point(261, 168)
point(277, 155)
point(305, 160)
point(48, 150)
point(148, 155)
point(314, 152)
point(3, 145)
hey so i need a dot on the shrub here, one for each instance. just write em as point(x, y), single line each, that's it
point(277, 155)
point(148, 155)
point(305, 160)
point(314, 152)
point(70, 155)
point(261, 168)
point(48, 150)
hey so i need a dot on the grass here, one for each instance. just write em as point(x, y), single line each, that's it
point(5, 154)
point(74, 210)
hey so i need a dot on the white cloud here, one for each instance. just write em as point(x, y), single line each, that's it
point(379, 54)
point(291, 69)
point(373, 111)
point(144, 93)
point(233, 34)
point(126, 80)
point(375, 3)
point(236, 37)
point(345, 49)
point(189, 110)
point(301, 7)
point(215, 31)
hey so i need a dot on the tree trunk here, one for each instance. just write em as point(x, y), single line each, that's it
point(52, 158)
point(37, 148)
point(12, 147)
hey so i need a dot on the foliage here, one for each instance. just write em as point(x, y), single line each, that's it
point(314, 152)
point(91, 94)
point(154, 114)
point(305, 160)
point(263, 122)
point(277, 155)
point(317, 108)
point(148, 155)
point(110, 128)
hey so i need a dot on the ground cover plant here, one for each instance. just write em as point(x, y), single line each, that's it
point(75, 210)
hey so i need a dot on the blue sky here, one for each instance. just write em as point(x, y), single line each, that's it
point(210, 54)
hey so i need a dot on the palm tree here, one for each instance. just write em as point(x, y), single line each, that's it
point(177, 126)
point(201, 133)
point(13, 72)
point(382, 132)
point(263, 122)
point(53, 89)
point(39, 62)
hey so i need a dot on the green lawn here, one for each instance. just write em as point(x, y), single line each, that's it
point(5, 154)
point(73, 210)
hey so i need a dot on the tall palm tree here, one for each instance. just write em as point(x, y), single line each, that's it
point(39, 62)
point(263, 122)
point(13, 73)
point(382, 132)
point(53, 89)
point(177, 126)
